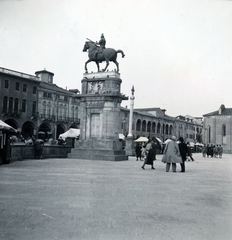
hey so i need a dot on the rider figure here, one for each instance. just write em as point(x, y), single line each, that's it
point(102, 44)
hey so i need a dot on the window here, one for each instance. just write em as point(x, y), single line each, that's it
point(144, 126)
point(5, 104)
point(16, 105)
point(24, 105)
point(17, 86)
point(11, 100)
point(223, 134)
point(149, 126)
point(138, 125)
point(6, 84)
point(153, 127)
point(34, 108)
point(45, 94)
point(49, 95)
point(223, 130)
point(24, 87)
point(34, 90)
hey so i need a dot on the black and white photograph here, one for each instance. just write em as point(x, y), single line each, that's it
point(115, 120)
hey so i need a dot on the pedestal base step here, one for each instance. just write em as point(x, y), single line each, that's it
point(98, 154)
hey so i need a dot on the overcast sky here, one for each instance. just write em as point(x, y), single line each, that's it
point(178, 53)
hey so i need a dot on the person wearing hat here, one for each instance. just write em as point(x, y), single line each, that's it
point(183, 153)
point(171, 155)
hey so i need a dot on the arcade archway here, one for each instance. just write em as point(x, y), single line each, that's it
point(27, 129)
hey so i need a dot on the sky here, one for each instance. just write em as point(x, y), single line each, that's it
point(178, 54)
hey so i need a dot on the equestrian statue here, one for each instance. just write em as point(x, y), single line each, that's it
point(98, 53)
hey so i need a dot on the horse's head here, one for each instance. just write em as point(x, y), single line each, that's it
point(89, 45)
point(86, 47)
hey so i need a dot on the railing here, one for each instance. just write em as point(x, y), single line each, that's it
point(11, 112)
point(48, 117)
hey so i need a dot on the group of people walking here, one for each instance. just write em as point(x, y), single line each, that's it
point(212, 151)
point(173, 153)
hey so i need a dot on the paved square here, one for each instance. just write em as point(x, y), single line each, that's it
point(69, 199)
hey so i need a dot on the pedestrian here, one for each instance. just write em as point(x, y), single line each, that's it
point(215, 151)
point(138, 148)
point(171, 155)
point(204, 150)
point(38, 148)
point(208, 150)
point(150, 155)
point(211, 150)
point(183, 153)
point(220, 151)
point(190, 155)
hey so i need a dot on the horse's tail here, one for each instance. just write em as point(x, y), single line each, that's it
point(120, 51)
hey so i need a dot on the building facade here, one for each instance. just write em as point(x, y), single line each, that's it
point(153, 122)
point(34, 105)
point(217, 128)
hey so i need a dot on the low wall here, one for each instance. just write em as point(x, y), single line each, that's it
point(20, 152)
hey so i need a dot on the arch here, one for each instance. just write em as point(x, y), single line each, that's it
point(28, 129)
point(163, 129)
point(158, 127)
point(60, 129)
point(153, 127)
point(44, 130)
point(167, 129)
point(170, 129)
point(12, 123)
point(138, 125)
point(148, 126)
point(144, 125)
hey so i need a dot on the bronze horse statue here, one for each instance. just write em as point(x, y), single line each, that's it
point(107, 54)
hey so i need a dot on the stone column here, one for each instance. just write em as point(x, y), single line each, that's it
point(131, 112)
point(130, 151)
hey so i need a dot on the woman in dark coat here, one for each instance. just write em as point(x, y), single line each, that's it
point(183, 153)
point(150, 155)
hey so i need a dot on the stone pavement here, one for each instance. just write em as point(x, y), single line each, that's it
point(69, 199)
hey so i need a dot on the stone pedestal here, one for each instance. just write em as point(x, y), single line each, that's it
point(100, 121)
point(130, 149)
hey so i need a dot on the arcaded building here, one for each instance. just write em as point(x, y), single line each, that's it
point(217, 128)
point(34, 105)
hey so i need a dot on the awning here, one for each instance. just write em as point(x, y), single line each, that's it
point(6, 128)
point(121, 136)
point(142, 139)
point(71, 133)
point(159, 140)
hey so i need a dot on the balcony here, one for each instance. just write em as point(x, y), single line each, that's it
point(48, 117)
point(12, 112)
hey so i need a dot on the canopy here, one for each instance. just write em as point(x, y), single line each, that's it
point(72, 133)
point(7, 128)
point(166, 141)
point(142, 139)
point(121, 136)
point(159, 140)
